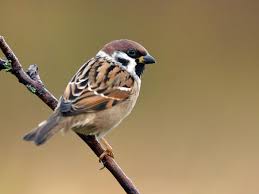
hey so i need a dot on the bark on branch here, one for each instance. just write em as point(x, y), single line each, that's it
point(32, 81)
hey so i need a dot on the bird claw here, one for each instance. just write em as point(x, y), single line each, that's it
point(106, 153)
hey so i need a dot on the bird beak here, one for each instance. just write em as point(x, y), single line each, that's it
point(148, 59)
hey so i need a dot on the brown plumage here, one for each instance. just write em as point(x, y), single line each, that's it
point(100, 94)
point(96, 86)
point(123, 45)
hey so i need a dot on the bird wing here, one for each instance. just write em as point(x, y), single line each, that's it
point(98, 85)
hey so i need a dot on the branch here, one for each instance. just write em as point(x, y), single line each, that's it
point(32, 81)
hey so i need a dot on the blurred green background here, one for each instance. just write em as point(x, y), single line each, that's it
point(195, 128)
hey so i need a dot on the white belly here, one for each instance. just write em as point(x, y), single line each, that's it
point(101, 122)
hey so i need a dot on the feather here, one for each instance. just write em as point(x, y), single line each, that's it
point(100, 84)
point(45, 130)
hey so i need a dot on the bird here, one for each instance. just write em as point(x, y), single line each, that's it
point(100, 95)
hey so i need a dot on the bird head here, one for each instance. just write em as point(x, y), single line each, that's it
point(129, 54)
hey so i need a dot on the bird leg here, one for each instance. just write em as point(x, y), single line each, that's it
point(108, 149)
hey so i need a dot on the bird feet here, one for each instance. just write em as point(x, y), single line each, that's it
point(107, 152)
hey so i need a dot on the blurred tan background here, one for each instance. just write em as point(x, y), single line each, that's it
point(195, 129)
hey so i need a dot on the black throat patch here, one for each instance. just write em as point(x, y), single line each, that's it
point(139, 69)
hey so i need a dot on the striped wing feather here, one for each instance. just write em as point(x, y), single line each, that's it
point(99, 84)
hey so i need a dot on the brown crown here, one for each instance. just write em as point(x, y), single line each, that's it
point(123, 45)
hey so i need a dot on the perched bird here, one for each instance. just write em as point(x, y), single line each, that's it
point(100, 95)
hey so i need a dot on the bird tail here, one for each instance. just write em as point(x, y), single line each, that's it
point(45, 130)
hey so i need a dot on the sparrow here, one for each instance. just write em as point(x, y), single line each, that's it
point(100, 95)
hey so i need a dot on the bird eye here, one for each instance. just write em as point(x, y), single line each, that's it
point(132, 53)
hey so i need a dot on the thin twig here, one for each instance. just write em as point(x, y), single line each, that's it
point(32, 81)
